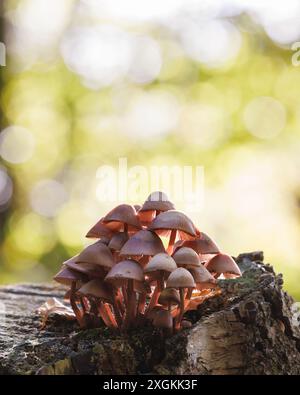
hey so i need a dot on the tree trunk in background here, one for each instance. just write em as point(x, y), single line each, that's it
point(251, 328)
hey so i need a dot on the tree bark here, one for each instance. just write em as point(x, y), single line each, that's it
point(252, 327)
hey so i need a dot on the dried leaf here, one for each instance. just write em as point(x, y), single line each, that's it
point(54, 306)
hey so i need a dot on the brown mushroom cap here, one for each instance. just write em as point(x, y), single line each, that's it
point(163, 319)
point(125, 270)
point(180, 278)
point(157, 201)
point(186, 257)
point(174, 220)
point(118, 240)
point(223, 264)
point(169, 296)
point(160, 263)
point(99, 230)
point(97, 253)
point(97, 289)
point(120, 215)
point(202, 245)
point(202, 277)
point(67, 276)
point(90, 269)
point(143, 242)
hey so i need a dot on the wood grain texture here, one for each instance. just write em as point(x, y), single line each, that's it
point(251, 328)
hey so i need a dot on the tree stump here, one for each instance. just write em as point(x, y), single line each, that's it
point(252, 327)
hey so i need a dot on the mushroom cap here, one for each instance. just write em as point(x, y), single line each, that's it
point(186, 257)
point(180, 278)
point(137, 207)
point(89, 269)
point(143, 242)
point(125, 270)
point(201, 275)
point(223, 264)
point(161, 262)
point(122, 214)
point(99, 230)
point(169, 296)
point(98, 289)
point(174, 220)
point(157, 201)
point(97, 253)
point(118, 240)
point(66, 276)
point(163, 319)
point(202, 244)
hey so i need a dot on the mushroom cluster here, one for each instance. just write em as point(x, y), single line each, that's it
point(129, 278)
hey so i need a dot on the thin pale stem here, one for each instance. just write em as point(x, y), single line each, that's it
point(142, 302)
point(181, 310)
point(104, 315)
point(78, 313)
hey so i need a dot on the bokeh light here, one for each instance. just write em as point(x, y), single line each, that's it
point(16, 144)
point(265, 117)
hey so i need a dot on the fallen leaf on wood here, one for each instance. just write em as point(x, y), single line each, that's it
point(55, 307)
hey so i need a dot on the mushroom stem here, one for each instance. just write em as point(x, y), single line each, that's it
point(110, 315)
point(125, 296)
point(119, 301)
point(172, 241)
point(142, 302)
point(77, 311)
point(131, 305)
point(117, 312)
point(106, 317)
point(160, 284)
point(181, 310)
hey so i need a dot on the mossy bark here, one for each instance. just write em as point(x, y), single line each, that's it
point(251, 328)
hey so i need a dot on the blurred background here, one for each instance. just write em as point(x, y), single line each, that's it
point(199, 83)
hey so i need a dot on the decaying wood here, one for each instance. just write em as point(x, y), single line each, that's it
point(251, 328)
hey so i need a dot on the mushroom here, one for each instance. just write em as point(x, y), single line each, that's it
point(202, 277)
point(91, 270)
point(100, 291)
point(181, 279)
point(73, 279)
point(122, 218)
point(99, 231)
point(155, 203)
point(159, 269)
point(97, 254)
point(143, 243)
point(169, 297)
point(116, 243)
point(171, 222)
point(126, 273)
point(186, 257)
point(204, 246)
point(223, 264)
